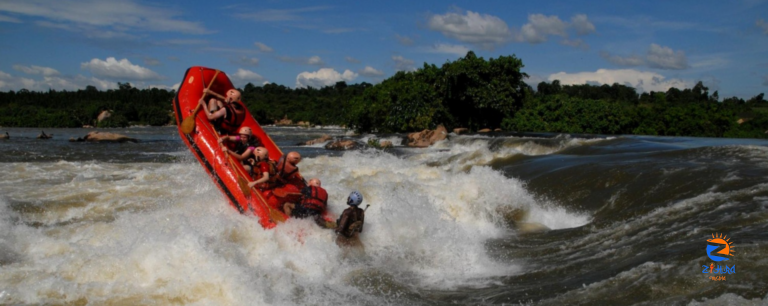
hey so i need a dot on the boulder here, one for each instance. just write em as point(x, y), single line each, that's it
point(322, 139)
point(459, 131)
point(43, 135)
point(497, 130)
point(484, 131)
point(427, 138)
point(284, 121)
point(104, 137)
point(5, 136)
point(104, 115)
point(345, 144)
point(87, 126)
point(303, 123)
point(385, 144)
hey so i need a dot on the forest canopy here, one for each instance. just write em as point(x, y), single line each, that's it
point(469, 92)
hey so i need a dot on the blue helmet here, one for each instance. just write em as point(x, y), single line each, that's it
point(355, 198)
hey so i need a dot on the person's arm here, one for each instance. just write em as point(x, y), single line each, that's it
point(215, 115)
point(211, 92)
point(342, 222)
point(264, 178)
point(248, 152)
point(362, 221)
point(222, 139)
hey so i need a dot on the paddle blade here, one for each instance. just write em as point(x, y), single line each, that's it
point(188, 124)
point(276, 215)
point(244, 185)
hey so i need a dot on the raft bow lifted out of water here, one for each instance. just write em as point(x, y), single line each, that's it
point(227, 172)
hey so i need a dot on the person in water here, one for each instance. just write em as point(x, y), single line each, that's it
point(244, 145)
point(225, 113)
point(263, 168)
point(350, 223)
point(288, 171)
point(313, 203)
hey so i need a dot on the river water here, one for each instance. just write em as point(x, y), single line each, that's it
point(498, 219)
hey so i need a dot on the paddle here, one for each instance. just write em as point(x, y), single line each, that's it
point(188, 124)
point(282, 193)
point(241, 181)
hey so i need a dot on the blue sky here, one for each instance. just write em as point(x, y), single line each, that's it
point(650, 45)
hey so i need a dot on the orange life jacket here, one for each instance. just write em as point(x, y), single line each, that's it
point(287, 177)
point(315, 198)
point(234, 117)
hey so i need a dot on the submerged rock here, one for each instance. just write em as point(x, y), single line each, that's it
point(427, 138)
point(104, 137)
point(322, 139)
point(43, 135)
point(342, 145)
point(459, 131)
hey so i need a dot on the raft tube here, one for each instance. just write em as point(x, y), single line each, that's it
point(226, 172)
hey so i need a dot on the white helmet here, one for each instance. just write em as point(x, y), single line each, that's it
point(355, 198)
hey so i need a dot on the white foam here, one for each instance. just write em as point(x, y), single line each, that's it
point(153, 233)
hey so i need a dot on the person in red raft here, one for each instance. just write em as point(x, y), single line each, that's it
point(264, 169)
point(244, 145)
point(313, 203)
point(225, 113)
point(288, 171)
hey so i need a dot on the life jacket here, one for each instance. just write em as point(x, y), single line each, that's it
point(240, 147)
point(290, 177)
point(271, 166)
point(315, 198)
point(234, 117)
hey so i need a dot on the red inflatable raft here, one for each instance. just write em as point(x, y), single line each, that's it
point(227, 173)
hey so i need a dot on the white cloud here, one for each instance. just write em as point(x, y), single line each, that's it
point(262, 47)
point(666, 58)
point(404, 40)
point(273, 15)
point(243, 76)
point(657, 57)
point(581, 23)
point(762, 25)
point(247, 61)
point(352, 60)
point(4, 18)
point(314, 60)
point(626, 61)
point(121, 15)
point(121, 70)
point(45, 71)
point(539, 27)
point(576, 43)
point(483, 30)
point(459, 50)
point(9, 82)
point(369, 71)
point(641, 80)
point(152, 62)
point(323, 77)
point(403, 64)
